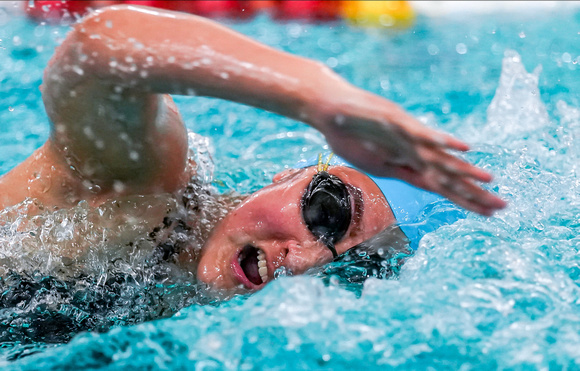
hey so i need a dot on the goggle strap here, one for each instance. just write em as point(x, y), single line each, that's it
point(332, 249)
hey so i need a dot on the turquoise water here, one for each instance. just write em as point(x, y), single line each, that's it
point(482, 293)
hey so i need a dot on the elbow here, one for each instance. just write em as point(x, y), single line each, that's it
point(86, 50)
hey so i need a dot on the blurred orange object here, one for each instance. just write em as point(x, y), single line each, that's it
point(397, 14)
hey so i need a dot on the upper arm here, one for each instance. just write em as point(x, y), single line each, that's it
point(112, 132)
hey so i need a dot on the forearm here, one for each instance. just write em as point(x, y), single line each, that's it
point(178, 53)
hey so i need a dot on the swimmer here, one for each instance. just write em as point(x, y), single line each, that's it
point(116, 134)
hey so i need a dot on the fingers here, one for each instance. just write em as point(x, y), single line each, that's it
point(452, 165)
point(437, 139)
point(422, 134)
point(470, 196)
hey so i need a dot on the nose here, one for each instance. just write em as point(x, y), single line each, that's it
point(302, 256)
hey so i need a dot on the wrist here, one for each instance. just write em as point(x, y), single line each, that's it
point(323, 100)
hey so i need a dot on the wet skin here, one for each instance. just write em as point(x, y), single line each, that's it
point(271, 220)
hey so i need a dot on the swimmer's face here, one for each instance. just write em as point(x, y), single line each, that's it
point(268, 230)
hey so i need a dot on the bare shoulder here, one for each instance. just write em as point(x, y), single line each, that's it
point(58, 178)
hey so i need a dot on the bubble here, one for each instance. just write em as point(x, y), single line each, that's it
point(566, 58)
point(461, 48)
point(332, 62)
point(433, 49)
point(386, 20)
point(40, 30)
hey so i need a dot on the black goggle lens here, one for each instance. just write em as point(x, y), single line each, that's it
point(326, 209)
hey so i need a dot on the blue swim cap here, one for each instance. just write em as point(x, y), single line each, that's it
point(417, 211)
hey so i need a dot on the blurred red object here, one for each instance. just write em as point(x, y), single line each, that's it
point(56, 10)
point(307, 10)
point(167, 5)
point(219, 9)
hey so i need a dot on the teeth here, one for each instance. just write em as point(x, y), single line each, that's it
point(262, 266)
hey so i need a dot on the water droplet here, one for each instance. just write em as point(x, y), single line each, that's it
point(386, 20)
point(118, 186)
point(566, 58)
point(109, 24)
point(282, 272)
point(433, 49)
point(78, 70)
point(88, 131)
point(224, 75)
point(134, 155)
point(38, 30)
point(11, 109)
point(522, 35)
point(95, 188)
point(332, 62)
point(461, 48)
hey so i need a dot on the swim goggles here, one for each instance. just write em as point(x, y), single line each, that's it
point(326, 208)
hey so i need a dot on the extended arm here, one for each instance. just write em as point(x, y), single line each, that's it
point(115, 131)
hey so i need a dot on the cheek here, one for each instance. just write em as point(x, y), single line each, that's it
point(282, 222)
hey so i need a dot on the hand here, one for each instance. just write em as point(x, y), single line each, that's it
point(379, 137)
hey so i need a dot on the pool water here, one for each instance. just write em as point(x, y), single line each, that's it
point(482, 293)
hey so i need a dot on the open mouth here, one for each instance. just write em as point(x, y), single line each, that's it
point(253, 269)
